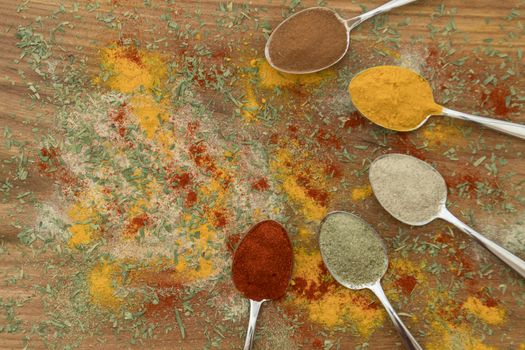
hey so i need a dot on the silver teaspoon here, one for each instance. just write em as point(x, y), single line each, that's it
point(389, 188)
point(290, 53)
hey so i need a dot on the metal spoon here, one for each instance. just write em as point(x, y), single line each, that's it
point(349, 24)
point(277, 292)
point(375, 286)
point(255, 306)
point(517, 130)
point(439, 210)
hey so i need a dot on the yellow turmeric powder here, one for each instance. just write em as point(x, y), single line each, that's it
point(492, 315)
point(393, 97)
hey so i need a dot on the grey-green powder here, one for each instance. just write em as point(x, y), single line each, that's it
point(352, 251)
point(408, 188)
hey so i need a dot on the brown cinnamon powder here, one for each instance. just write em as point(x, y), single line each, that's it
point(309, 41)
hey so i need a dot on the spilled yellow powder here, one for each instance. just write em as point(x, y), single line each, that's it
point(521, 346)
point(270, 78)
point(305, 233)
point(490, 315)
point(85, 218)
point(408, 267)
point(201, 267)
point(361, 193)
point(337, 307)
point(102, 280)
point(441, 134)
point(250, 106)
point(449, 336)
point(128, 69)
point(282, 166)
point(149, 113)
point(166, 140)
point(309, 208)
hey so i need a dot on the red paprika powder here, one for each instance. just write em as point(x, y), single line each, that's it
point(262, 264)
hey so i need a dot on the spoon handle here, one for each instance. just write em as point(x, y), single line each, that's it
point(503, 254)
point(408, 339)
point(513, 129)
point(353, 22)
point(255, 306)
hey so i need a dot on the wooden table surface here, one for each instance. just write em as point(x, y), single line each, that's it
point(485, 31)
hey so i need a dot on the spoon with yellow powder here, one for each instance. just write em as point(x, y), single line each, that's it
point(399, 99)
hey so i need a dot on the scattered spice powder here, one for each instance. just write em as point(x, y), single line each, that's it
point(393, 97)
point(262, 264)
point(492, 315)
point(295, 47)
point(102, 280)
point(326, 302)
point(361, 193)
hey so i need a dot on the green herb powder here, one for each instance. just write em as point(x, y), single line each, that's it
point(352, 251)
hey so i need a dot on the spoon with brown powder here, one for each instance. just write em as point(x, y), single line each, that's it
point(316, 38)
point(399, 99)
point(415, 193)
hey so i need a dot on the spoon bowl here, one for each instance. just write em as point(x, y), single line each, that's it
point(378, 269)
point(392, 190)
point(309, 49)
point(256, 263)
point(363, 90)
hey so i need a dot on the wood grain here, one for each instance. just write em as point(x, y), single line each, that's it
point(476, 21)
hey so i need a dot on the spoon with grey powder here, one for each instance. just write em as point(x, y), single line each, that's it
point(415, 193)
point(356, 257)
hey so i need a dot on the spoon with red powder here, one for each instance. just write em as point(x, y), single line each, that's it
point(262, 268)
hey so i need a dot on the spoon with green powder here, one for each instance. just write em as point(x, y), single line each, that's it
point(415, 193)
point(356, 257)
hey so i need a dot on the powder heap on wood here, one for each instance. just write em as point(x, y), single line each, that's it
point(262, 264)
point(309, 41)
point(352, 251)
point(408, 188)
point(393, 97)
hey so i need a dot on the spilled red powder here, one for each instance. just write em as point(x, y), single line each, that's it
point(332, 169)
point(354, 120)
point(328, 139)
point(193, 127)
point(135, 224)
point(260, 185)
point(402, 144)
point(407, 283)
point(497, 100)
point(317, 343)
point(232, 241)
point(467, 180)
point(50, 164)
point(179, 180)
point(200, 157)
point(219, 218)
point(314, 290)
point(198, 153)
point(319, 195)
point(132, 54)
point(119, 117)
point(191, 199)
